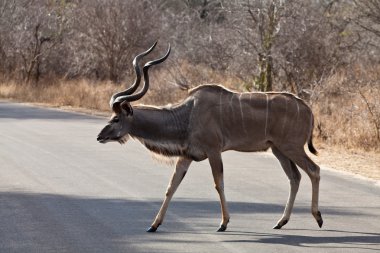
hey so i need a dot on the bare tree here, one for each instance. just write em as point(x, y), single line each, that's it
point(112, 30)
point(292, 45)
point(36, 29)
point(369, 17)
point(295, 43)
point(7, 10)
point(257, 25)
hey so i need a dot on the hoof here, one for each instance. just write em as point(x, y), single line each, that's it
point(280, 224)
point(222, 228)
point(151, 229)
point(320, 223)
point(319, 219)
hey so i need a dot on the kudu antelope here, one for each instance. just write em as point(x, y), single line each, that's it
point(211, 120)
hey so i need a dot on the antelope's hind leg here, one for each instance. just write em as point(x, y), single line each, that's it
point(294, 176)
point(313, 171)
point(179, 173)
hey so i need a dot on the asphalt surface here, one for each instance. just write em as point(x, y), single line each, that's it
point(61, 191)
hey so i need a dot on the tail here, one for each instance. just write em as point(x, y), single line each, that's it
point(310, 141)
point(310, 145)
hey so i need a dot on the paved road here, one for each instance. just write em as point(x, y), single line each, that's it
point(61, 191)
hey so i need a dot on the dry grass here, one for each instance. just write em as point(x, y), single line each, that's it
point(77, 93)
point(348, 110)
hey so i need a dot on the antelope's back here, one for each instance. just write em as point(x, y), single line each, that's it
point(250, 121)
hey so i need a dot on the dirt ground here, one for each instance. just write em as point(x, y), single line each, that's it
point(362, 163)
point(358, 162)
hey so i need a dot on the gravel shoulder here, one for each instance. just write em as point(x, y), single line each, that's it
point(366, 164)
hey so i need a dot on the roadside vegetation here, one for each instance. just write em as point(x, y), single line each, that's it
point(77, 53)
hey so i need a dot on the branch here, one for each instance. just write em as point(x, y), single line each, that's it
point(373, 116)
point(249, 41)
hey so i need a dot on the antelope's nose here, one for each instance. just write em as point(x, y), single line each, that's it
point(100, 138)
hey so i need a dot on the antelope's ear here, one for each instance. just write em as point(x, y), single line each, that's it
point(127, 108)
point(116, 108)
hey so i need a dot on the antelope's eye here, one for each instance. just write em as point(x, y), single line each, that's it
point(114, 120)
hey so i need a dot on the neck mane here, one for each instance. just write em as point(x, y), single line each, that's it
point(163, 130)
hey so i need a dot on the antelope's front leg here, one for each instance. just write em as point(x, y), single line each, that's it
point(179, 173)
point(217, 172)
